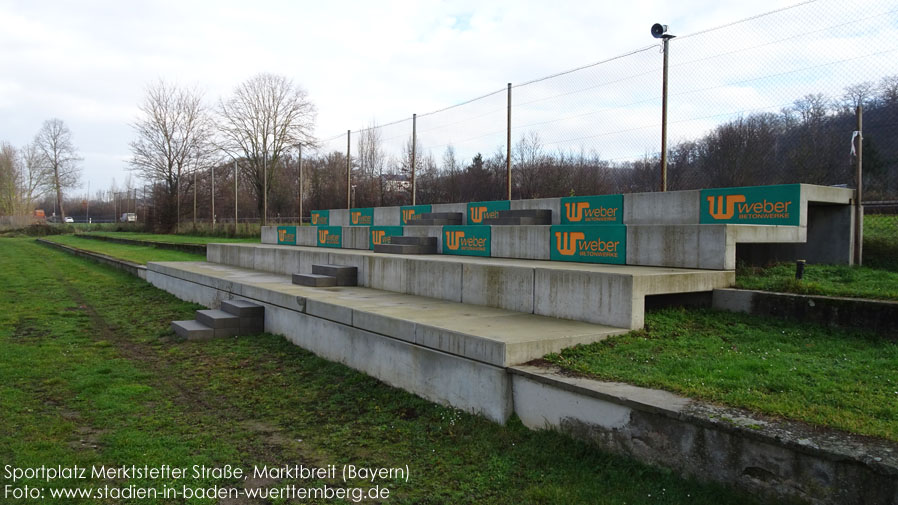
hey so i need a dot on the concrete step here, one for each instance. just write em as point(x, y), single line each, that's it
point(243, 308)
point(542, 216)
point(515, 221)
point(192, 330)
point(405, 240)
point(452, 216)
point(315, 280)
point(436, 222)
point(405, 249)
point(217, 319)
point(346, 275)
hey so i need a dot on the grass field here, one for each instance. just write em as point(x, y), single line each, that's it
point(174, 239)
point(132, 253)
point(833, 377)
point(828, 280)
point(91, 375)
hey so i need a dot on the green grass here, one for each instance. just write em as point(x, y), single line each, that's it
point(91, 375)
point(877, 279)
point(132, 253)
point(832, 377)
point(881, 241)
point(174, 239)
point(829, 280)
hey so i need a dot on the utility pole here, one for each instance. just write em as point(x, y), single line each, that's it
point(348, 173)
point(300, 184)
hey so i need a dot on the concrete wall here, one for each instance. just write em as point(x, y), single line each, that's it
point(830, 240)
point(672, 207)
point(387, 216)
point(774, 459)
point(553, 204)
point(269, 234)
point(522, 242)
point(880, 317)
point(452, 207)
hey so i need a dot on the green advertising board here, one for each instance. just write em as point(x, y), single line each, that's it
point(603, 209)
point(382, 234)
point(286, 235)
point(330, 236)
point(361, 217)
point(467, 240)
point(589, 244)
point(410, 213)
point(478, 211)
point(752, 205)
point(320, 217)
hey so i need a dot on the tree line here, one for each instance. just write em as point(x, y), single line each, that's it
point(252, 142)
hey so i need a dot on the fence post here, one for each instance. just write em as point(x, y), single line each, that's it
point(858, 201)
point(235, 197)
point(300, 184)
point(508, 149)
point(414, 154)
point(348, 174)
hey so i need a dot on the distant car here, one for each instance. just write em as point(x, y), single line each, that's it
point(129, 217)
point(69, 219)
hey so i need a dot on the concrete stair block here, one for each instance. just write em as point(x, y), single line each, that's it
point(192, 330)
point(346, 275)
point(243, 308)
point(315, 280)
point(423, 241)
point(405, 249)
point(217, 319)
point(436, 222)
point(452, 216)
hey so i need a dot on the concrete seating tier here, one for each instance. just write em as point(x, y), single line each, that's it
point(684, 229)
point(612, 295)
point(488, 335)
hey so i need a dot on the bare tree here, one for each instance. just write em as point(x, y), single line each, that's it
point(34, 177)
point(857, 95)
point(888, 89)
point(60, 158)
point(10, 172)
point(266, 116)
point(174, 134)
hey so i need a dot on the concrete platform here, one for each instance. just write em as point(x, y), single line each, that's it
point(612, 295)
point(488, 335)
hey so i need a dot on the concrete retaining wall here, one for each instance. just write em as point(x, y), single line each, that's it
point(873, 315)
point(778, 459)
point(191, 248)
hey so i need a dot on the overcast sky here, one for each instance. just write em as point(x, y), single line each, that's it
point(88, 62)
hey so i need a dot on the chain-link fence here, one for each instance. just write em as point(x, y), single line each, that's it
point(765, 100)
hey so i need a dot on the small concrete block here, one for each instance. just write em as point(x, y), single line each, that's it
point(227, 332)
point(425, 241)
point(252, 325)
point(346, 275)
point(243, 308)
point(314, 280)
point(217, 319)
point(404, 249)
point(443, 215)
point(329, 311)
point(192, 330)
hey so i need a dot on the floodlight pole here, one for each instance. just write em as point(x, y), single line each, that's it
point(299, 146)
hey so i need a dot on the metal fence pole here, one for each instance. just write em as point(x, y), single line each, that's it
point(508, 149)
point(348, 173)
point(414, 153)
point(300, 184)
point(235, 197)
point(859, 177)
point(213, 197)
